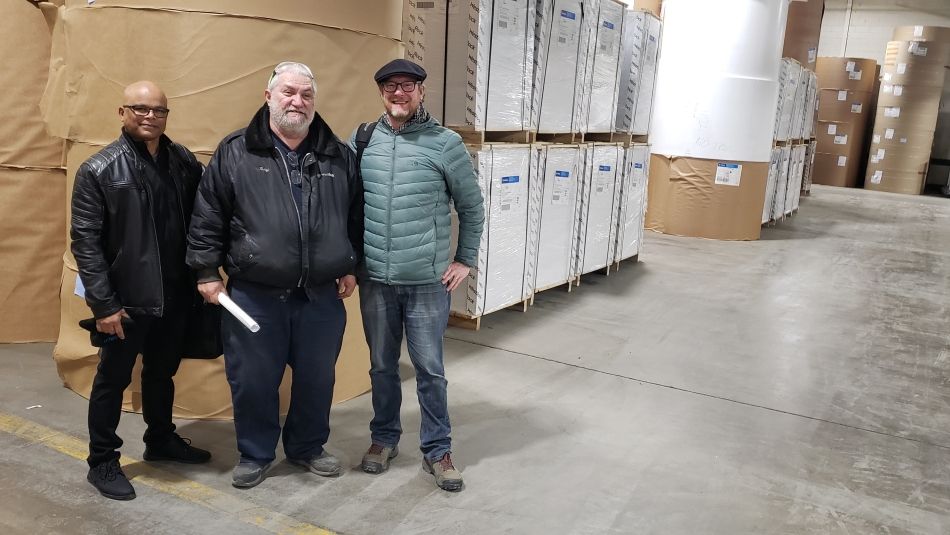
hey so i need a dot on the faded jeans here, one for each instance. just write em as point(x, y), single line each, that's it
point(422, 312)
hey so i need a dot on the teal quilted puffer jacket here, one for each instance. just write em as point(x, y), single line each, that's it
point(409, 179)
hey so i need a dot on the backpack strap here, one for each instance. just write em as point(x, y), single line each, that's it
point(363, 135)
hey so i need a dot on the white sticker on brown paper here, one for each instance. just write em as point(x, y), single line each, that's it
point(880, 154)
point(876, 138)
point(901, 68)
point(842, 161)
point(887, 77)
point(812, 55)
point(856, 75)
point(892, 111)
point(902, 140)
point(918, 31)
point(898, 90)
point(887, 88)
point(876, 177)
point(889, 133)
point(856, 107)
point(842, 95)
point(728, 174)
point(849, 66)
point(841, 140)
point(832, 129)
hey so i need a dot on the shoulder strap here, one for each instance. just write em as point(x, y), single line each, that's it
point(363, 136)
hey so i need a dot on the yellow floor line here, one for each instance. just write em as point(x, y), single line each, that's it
point(164, 481)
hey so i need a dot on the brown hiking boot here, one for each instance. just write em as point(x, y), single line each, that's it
point(446, 476)
point(376, 459)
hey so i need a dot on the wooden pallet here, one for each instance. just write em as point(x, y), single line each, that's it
point(479, 137)
point(613, 137)
point(464, 321)
point(632, 260)
point(574, 137)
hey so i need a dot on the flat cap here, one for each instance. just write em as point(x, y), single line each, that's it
point(400, 66)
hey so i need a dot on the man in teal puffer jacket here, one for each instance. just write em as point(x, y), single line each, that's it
point(413, 169)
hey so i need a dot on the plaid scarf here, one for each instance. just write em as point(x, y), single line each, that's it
point(420, 116)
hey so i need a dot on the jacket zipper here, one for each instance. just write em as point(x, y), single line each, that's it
point(151, 216)
point(296, 210)
point(389, 213)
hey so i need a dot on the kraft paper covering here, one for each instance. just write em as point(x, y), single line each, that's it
point(214, 69)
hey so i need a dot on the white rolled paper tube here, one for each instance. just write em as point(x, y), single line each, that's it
point(238, 313)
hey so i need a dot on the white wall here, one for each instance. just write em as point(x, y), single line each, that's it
point(869, 30)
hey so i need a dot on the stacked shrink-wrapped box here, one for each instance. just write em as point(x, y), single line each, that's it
point(599, 202)
point(632, 204)
point(605, 67)
point(638, 60)
point(489, 64)
point(909, 103)
point(845, 96)
point(499, 279)
point(559, 168)
point(558, 39)
point(796, 103)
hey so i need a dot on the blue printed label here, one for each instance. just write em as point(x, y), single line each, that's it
point(510, 179)
point(604, 168)
point(729, 165)
point(568, 14)
point(638, 166)
point(562, 174)
point(609, 25)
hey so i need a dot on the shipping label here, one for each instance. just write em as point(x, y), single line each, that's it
point(728, 174)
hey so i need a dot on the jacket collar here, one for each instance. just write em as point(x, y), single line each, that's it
point(139, 148)
point(257, 136)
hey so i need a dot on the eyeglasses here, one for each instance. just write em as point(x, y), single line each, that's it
point(284, 65)
point(407, 87)
point(143, 111)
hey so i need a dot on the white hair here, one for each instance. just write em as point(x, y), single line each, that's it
point(291, 67)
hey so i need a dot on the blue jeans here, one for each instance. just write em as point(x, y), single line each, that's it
point(303, 333)
point(423, 312)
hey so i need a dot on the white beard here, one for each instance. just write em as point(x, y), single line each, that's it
point(295, 123)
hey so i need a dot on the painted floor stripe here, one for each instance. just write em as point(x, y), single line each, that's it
point(158, 479)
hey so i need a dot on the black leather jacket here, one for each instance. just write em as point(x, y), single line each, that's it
point(246, 220)
point(113, 231)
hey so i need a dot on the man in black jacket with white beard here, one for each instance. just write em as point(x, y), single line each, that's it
point(280, 208)
point(131, 205)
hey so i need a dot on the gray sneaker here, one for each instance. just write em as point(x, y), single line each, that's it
point(249, 474)
point(325, 465)
point(376, 459)
point(446, 475)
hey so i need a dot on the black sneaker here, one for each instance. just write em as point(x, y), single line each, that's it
point(110, 481)
point(176, 449)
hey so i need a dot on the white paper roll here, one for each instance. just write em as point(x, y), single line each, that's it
point(238, 312)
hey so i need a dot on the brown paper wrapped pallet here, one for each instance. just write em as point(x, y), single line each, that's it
point(32, 182)
point(685, 200)
point(214, 69)
point(803, 30)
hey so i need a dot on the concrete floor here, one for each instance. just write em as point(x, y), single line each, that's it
point(798, 384)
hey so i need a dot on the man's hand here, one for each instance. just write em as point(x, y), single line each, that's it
point(112, 324)
point(345, 286)
point(454, 275)
point(210, 291)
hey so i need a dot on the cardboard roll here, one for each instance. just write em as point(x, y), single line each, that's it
point(855, 74)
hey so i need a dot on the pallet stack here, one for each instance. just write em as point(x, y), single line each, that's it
point(565, 195)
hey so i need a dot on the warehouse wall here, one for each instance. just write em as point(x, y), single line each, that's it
point(869, 30)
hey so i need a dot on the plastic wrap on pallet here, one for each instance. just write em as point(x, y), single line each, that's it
point(603, 164)
point(771, 185)
point(800, 155)
point(788, 87)
point(558, 183)
point(648, 66)
point(490, 64)
point(633, 195)
point(631, 59)
point(585, 62)
point(811, 149)
point(498, 278)
point(605, 82)
point(558, 39)
point(811, 106)
point(781, 183)
point(533, 234)
point(798, 109)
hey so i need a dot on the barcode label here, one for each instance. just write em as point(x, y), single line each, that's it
point(503, 24)
point(562, 40)
point(425, 5)
point(505, 207)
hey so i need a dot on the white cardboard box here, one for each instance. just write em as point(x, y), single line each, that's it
point(793, 192)
point(600, 196)
point(781, 185)
point(559, 172)
point(558, 40)
point(771, 185)
point(490, 64)
point(631, 59)
point(504, 173)
point(633, 195)
point(585, 62)
point(651, 53)
point(605, 80)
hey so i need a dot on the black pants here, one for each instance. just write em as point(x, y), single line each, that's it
point(159, 340)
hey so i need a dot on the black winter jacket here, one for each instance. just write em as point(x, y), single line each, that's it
point(246, 220)
point(113, 232)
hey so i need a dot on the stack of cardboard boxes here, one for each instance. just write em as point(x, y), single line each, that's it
point(846, 96)
point(912, 85)
point(803, 30)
